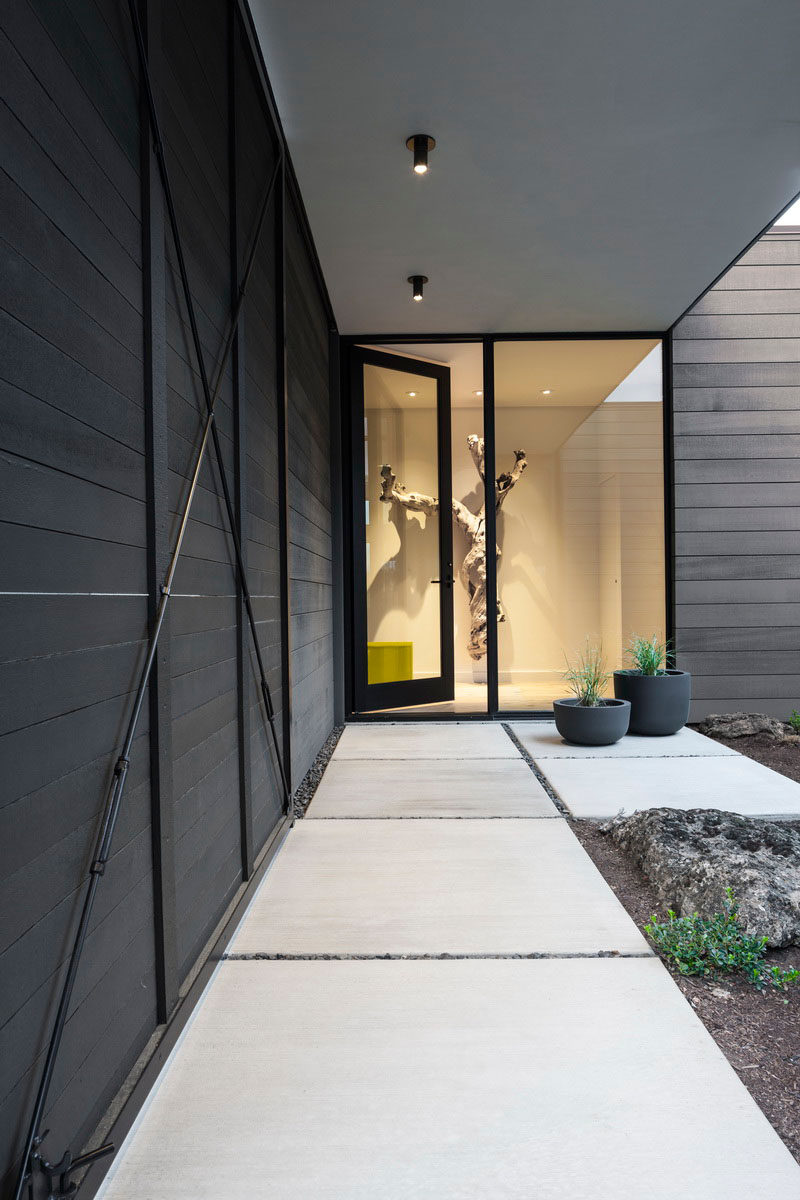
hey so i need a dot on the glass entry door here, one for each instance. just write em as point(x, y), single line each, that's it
point(403, 538)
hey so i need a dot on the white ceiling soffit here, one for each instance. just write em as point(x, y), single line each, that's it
point(597, 164)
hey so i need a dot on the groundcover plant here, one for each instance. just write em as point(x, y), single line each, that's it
point(716, 945)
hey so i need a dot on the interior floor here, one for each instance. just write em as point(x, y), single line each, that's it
point(472, 698)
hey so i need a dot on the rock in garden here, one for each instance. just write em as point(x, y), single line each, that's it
point(740, 724)
point(693, 857)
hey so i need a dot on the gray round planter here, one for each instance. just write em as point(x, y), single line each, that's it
point(599, 726)
point(659, 703)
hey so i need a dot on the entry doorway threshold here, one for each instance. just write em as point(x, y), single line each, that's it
point(471, 702)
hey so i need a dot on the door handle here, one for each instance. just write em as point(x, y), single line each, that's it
point(448, 581)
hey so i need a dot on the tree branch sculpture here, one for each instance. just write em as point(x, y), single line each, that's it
point(473, 569)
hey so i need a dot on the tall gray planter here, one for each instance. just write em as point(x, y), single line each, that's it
point(659, 703)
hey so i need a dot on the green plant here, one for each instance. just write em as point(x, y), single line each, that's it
point(587, 675)
point(699, 946)
point(794, 720)
point(649, 656)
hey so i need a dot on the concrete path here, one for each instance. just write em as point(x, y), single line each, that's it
point(435, 887)
point(683, 771)
point(440, 788)
point(466, 742)
point(442, 999)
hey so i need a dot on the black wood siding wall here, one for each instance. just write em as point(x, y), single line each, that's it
point(736, 376)
point(100, 416)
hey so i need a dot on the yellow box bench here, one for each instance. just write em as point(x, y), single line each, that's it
point(388, 662)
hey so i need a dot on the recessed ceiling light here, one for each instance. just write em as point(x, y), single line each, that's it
point(421, 145)
point(417, 283)
point(546, 392)
point(411, 394)
point(477, 393)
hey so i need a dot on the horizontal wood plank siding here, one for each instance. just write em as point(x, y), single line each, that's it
point(736, 371)
point(72, 435)
point(101, 415)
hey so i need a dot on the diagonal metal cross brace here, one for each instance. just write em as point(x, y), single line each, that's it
point(158, 146)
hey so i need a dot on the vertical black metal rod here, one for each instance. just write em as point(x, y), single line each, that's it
point(668, 455)
point(240, 399)
point(159, 534)
point(116, 788)
point(282, 393)
point(158, 145)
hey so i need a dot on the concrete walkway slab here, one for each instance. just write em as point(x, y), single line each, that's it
point(542, 740)
point(465, 741)
point(598, 788)
point(560, 1078)
point(501, 787)
point(588, 1080)
point(434, 887)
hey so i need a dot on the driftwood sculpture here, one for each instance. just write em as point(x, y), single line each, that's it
point(473, 568)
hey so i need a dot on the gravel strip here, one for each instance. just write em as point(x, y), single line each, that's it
point(537, 955)
point(543, 780)
point(304, 793)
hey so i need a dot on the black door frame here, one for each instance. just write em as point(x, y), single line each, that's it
point(488, 341)
point(414, 691)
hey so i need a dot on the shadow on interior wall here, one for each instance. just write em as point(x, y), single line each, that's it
point(415, 532)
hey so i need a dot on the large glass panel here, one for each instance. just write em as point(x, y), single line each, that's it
point(581, 531)
point(402, 530)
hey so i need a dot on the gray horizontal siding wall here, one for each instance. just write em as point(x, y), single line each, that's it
point(736, 379)
point(100, 417)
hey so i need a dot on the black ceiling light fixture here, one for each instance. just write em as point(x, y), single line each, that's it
point(417, 283)
point(421, 145)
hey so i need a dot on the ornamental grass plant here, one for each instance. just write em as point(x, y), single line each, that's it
point(649, 656)
point(587, 676)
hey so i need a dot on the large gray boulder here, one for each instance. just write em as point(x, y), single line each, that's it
point(741, 724)
point(693, 857)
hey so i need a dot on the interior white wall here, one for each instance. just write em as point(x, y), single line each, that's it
point(582, 536)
